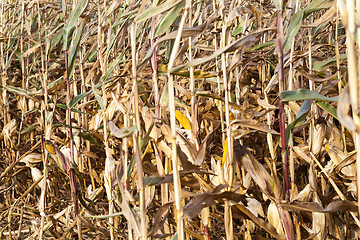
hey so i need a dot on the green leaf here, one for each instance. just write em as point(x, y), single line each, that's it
point(56, 82)
point(75, 47)
point(111, 67)
point(152, 180)
point(263, 46)
point(316, 6)
point(88, 137)
point(175, 236)
point(293, 30)
point(49, 116)
point(217, 97)
point(63, 106)
point(71, 22)
point(55, 40)
point(28, 129)
point(304, 94)
point(238, 29)
point(322, 65)
point(63, 6)
point(131, 166)
point(78, 98)
point(168, 19)
point(103, 216)
point(164, 96)
point(327, 107)
point(92, 56)
point(18, 91)
point(278, 4)
point(78, 111)
point(300, 118)
point(97, 96)
point(109, 47)
point(153, 11)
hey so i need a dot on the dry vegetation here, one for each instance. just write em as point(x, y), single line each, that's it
point(178, 119)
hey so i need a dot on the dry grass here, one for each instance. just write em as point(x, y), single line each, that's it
point(179, 119)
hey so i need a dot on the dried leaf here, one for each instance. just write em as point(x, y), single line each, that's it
point(200, 201)
point(336, 206)
point(258, 173)
point(121, 133)
point(253, 124)
point(343, 110)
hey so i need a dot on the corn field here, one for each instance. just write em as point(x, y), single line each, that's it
point(179, 119)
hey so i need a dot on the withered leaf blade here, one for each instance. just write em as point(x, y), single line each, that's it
point(121, 133)
point(207, 199)
point(258, 173)
point(185, 163)
point(200, 156)
point(253, 124)
point(261, 223)
point(336, 206)
point(239, 44)
point(160, 218)
point(128, 212)
point(287, 223)
point(158, 180)
point(187, 32)
point(343, 110)
point(346, 162)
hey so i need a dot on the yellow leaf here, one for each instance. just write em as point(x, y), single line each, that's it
point(225, 151)
point(231, 116)
point(49, 147)
point(59, 158)
point(327, 148)
point(183, 120)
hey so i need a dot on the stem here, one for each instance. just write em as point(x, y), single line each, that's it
point(175, 164)
point(137, 136)
point(281, 106)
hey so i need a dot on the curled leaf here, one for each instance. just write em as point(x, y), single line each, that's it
point(121, 133)
point(343, 110)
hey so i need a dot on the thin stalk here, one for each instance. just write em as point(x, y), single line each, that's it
point(192, 91)
point(227, 210)
point(290, 114)
point(337, 54)
point(158, 153)
point(175, 164)
point(42, 203)
point(71, 139)
point(46, 126)
point(353, 80)
point(23, 75)
point(137, 136)
point(100, 40)
point(220, 105)
point(333, 184)
point(281, 106)
point(6, 116)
